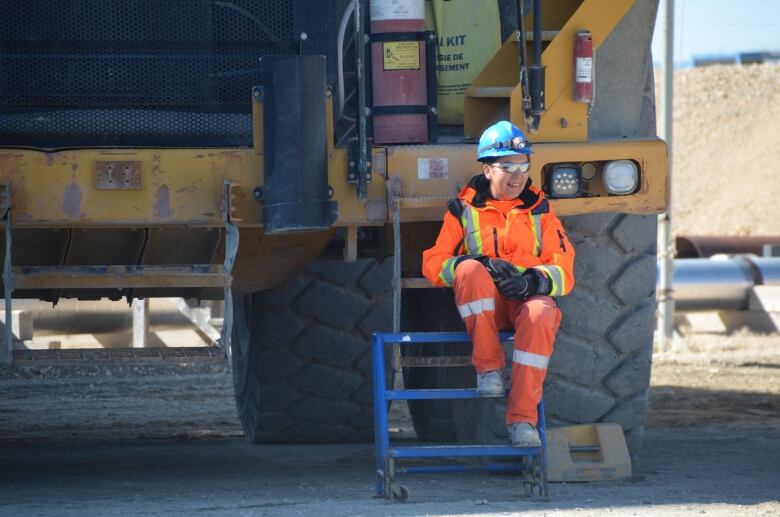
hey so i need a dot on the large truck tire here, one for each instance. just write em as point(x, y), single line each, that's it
point(301, 354)
point(600, 368)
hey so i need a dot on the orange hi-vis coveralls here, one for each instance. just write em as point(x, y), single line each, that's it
point(525, 232)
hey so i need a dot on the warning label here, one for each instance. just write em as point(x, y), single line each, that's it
point(432, 168)
point(401, 55)
point(584, 70)
point(397, 10)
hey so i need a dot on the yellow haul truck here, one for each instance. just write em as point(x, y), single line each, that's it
point(240, 148)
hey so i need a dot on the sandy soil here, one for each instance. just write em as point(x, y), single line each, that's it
point(726, 150)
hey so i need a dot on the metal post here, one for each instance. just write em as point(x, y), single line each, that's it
point(360, 53)
point(140, 323)
point(665, 251)
point(395, 206)
point(8, 338)
point(231, 250)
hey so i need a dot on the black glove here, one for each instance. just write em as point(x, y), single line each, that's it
point(501, 269)
point(522, 286)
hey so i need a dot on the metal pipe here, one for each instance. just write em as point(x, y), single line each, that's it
point(709, 285)
point(721, 284)
point(704, 246)
point(768, 269)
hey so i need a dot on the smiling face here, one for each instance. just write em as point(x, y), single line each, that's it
point(505, 184)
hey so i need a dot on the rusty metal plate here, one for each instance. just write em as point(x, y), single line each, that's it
point(119, 175)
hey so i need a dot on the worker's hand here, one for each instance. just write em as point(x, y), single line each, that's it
point(522, 286)
point(501, 269)
point(517, 287)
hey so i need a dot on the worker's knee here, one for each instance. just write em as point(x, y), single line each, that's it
point(540, 311)
point(470, 270)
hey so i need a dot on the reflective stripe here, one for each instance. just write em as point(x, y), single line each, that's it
point(476, 307)
point(536, 228)
point(529, 359)
point(472, 237)
point(447, 274)
point(555, 274)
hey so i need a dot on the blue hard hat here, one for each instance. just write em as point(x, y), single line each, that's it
point(502, 139)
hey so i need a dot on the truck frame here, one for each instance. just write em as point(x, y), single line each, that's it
point(148, 151)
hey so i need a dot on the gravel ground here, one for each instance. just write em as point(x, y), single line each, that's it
point(159, 439)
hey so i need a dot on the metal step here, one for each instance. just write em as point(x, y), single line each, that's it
point(502, 92)
point(416, 283)
point(546, 35)
point(461, 451)
point(435, 337)
point(435, 361)
point(436, 394)
point(119, 277)
point(114, 355)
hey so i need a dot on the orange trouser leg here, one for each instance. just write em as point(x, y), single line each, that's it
point(483, 311)
point(536, 321)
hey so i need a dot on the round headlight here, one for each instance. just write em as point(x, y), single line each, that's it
point(621, 177)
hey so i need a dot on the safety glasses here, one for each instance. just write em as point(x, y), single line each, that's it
point(512, 167)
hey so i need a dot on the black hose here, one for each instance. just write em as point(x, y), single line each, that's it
point(524, 87)
point(537, 32)
point(536, 72)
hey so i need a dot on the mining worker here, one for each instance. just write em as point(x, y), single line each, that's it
point(505, 254)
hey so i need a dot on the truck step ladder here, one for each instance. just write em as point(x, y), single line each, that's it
point(532, 462)
point(128, 276)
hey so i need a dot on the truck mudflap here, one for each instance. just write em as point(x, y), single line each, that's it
point(295, 145)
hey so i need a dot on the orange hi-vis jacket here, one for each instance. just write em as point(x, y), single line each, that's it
point(528, 235)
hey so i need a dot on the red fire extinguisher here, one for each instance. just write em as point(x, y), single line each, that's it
point(583, 67)
point(398, 72)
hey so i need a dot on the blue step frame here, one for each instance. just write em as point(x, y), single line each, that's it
point(386, 454)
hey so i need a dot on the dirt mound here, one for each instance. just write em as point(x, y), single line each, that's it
point(726, 152)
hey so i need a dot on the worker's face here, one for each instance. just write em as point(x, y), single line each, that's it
point(507, 175)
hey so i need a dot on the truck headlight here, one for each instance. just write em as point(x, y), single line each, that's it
point(621, 177)
point(565, 181)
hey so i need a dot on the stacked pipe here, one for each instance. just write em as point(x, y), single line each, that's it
point(707, 284)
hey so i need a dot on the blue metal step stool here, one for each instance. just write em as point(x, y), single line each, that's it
point(533, 464)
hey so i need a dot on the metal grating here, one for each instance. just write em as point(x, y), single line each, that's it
point(135, 72)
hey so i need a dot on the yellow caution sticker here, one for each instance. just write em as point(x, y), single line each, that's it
point(401, 55)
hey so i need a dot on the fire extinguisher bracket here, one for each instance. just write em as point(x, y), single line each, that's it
point(430, 109)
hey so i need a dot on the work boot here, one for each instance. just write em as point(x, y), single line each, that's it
point(523, 434)
point(490, 384)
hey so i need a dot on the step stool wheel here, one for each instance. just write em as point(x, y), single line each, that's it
point(532, 490)
point(399, 493)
